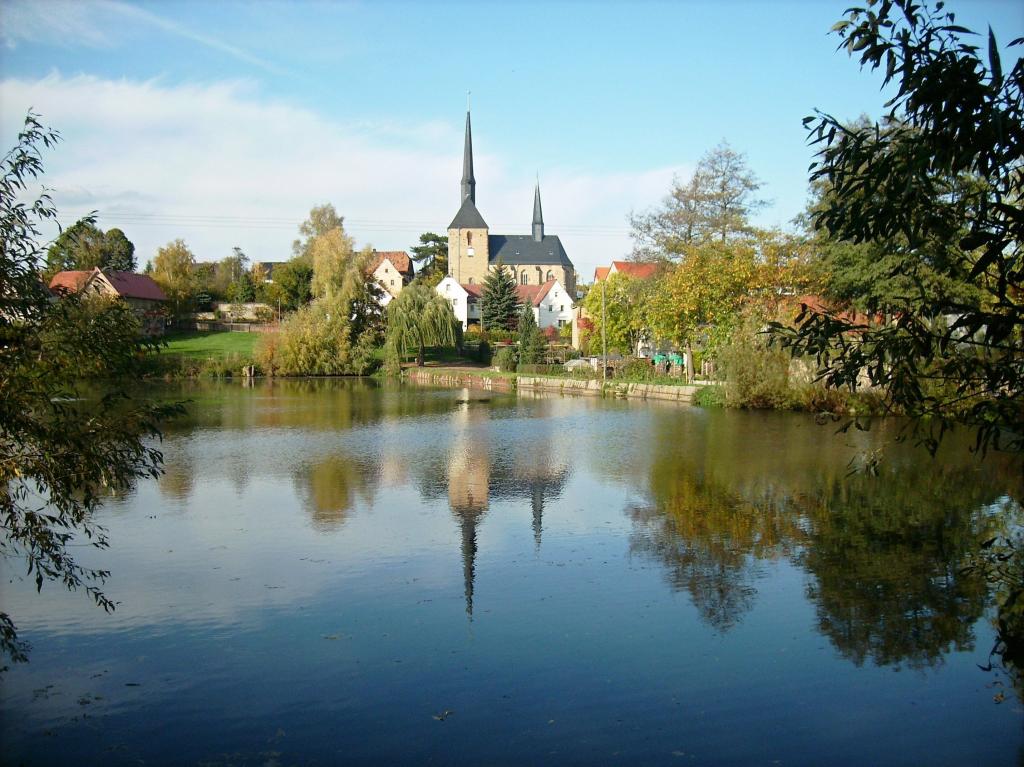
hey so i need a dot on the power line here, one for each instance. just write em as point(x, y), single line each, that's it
point(195, 220)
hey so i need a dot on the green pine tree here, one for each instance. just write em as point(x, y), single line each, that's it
point(499, 302)
point(531, 340)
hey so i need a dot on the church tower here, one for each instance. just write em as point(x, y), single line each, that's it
point(468, 251)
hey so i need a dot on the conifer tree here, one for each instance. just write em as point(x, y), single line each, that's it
point(499, 302)
point(531, 340)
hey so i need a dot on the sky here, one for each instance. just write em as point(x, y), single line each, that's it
point(224, 123)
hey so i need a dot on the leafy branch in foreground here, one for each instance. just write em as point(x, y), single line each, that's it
point(937, 185)
point(67, 438)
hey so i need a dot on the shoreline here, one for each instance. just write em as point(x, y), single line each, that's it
point(588, 387)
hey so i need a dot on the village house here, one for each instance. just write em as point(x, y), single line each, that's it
point(393, 270)
point(141, 293)
point(551, 304)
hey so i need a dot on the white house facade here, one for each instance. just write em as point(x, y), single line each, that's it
point(552, 306)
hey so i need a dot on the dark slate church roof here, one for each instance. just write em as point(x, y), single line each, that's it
point(468, 217)
point(522, 249)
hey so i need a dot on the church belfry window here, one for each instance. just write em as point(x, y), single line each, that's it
point(550, 276)
point(469, 239)
point(524, 279)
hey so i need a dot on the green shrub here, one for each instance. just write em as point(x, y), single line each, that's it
point(755, 376)
point(506, 359)
point(709, 396)
point(637, 369)
point(482, 353)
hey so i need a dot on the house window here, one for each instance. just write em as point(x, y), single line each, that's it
point(551, 307)
point(455, 302)
point(392, 283)
point(524, 279)
point(561, 323)
point(561, 308)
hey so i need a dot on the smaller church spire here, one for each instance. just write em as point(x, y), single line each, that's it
point(468, 180)
point(538, 215)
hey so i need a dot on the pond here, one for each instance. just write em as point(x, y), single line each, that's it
point(340, 572)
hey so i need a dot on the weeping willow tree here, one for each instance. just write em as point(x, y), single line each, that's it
point(418, 318)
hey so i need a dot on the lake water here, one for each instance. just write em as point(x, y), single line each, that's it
point(334, 572)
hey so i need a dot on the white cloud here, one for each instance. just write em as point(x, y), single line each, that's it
point(220, 165)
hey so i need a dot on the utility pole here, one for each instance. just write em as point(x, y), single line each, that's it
point(604, 336)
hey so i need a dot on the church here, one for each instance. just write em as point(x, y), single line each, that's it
point(534, 259)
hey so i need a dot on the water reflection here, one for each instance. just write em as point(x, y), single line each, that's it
point(351, 530)
point(719, 496)
point(885, 553)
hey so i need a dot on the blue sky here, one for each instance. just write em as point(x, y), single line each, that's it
point(223, 123)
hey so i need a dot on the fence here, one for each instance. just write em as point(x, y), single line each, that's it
point(204, 326)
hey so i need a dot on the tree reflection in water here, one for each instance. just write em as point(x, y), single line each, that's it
point(886, 554)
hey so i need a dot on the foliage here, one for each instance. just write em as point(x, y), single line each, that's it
point(531, 341)
point(318, 340)
point(292, 285)
point(507, 359)
point(431, 257)
point(627, 301)
point(339, 331)
point(63, 444)
point(322, 219)
point(418, 318)
point(755, 376)
point(174, 271)
point(499, 302)
point(83, 246)
point(714, 204)
point(709, 396)
point(954, 118)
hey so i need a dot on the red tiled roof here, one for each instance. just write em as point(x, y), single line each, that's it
point(126, 284)
point(634, 269)
point(527, 293)
point(600, 273)
point(132, 285)
point(544, 290)
point(69, 282)
point(474, 290)
point(534, 294)
point(398, 258)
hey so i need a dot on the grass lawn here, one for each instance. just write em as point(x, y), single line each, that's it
point(215, 344)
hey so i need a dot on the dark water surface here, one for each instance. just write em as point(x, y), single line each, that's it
point(332, 572)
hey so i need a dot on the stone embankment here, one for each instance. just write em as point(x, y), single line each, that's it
point(525, 383)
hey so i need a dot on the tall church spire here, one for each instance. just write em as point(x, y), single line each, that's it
point(538, 215)
point(468, 180)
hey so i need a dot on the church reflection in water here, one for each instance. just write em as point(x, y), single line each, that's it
point(479, 469)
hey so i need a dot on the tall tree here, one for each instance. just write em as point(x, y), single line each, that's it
point(531, 340)
point(118, 251)
point(174, 271)
point(619, 307)
point(60, 439)
point(322, 219)
point(715, 203)
point(84, 246)
point(953, 117)
point(431, 257)
point(419, 318)
point(292, 284)
point(499, 302)
point(331, 255)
